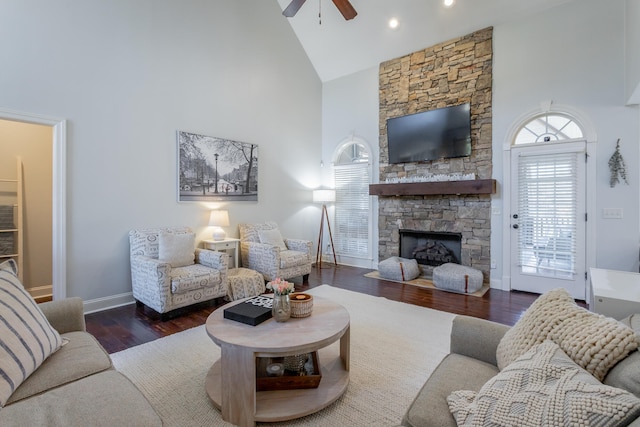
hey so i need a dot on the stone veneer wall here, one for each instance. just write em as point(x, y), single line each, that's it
point(450, 73)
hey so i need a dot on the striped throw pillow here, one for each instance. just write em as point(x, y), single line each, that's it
point(26, 336)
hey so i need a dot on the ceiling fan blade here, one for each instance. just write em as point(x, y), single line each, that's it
point(346, 9)
point(293, 8)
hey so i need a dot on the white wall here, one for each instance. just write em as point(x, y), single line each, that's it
point(632, 26)
point(573, 54)
point(126, 75)
point(350, 107)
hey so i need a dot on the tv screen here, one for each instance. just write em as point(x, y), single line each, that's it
point(430, 135)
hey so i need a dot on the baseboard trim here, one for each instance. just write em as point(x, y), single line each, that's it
point(106, 303)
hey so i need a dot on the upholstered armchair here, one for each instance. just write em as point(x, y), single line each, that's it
point(169, 272)
point(263, 249)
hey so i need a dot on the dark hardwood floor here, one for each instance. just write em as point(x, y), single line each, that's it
point(124, 327)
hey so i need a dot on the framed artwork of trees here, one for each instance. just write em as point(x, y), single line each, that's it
point(215, 169)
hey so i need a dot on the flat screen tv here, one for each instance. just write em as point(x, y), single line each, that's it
point(430, 135)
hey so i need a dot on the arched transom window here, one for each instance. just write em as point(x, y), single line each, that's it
point(549, 127)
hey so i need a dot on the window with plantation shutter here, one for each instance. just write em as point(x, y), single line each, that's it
point(547, 213)
point(351, 237)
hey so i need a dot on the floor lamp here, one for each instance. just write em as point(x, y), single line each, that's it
point(324, 197)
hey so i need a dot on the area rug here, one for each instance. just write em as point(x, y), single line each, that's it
point(427, 283)
point(394, 349)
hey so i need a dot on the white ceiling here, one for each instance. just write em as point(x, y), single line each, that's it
point(337, 47)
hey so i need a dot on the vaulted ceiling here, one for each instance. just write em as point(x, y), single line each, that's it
point(337, 47)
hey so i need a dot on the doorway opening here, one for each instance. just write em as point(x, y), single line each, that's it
point(56, 128)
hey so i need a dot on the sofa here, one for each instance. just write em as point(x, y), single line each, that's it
point(77, 384)
point(477, 375)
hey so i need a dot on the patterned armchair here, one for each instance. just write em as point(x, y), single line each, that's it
point(263, 249)
point(169, 272)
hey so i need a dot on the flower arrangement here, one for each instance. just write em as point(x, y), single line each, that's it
point(280, 286)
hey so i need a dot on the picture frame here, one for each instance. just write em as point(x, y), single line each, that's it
point(212, 169)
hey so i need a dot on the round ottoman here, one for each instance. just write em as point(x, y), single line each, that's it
point(457, 278)
point(243, 283)
point(400, 269)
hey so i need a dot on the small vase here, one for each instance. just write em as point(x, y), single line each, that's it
point(281, 308)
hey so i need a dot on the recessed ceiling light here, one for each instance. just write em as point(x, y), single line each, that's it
point(448, 3)
point(393, 23)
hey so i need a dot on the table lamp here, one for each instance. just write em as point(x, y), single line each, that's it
point(217, 220)
point(324, 196)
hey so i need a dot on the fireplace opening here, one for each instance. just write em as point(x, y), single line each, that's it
point(430, 249)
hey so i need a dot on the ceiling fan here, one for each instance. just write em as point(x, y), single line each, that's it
point(343, 6)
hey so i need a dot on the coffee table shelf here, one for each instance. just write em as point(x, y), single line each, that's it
point(281, 405)
point(231, 381)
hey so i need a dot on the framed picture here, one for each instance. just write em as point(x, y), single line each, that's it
point(215, 169)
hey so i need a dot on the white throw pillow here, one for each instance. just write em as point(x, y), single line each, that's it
point(178, 249)
point(593, 341)
point(272, 237)
point(26, 337)
point(544, 387)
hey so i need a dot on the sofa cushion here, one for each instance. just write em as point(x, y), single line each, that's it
point(593, 341)
point(544, 387)
point(80, 357)
point(455, 372)
point(272, 237)
point(626, 373)
point(104, 399)
point(189, 278)
point(26, 337)
point(178, 249)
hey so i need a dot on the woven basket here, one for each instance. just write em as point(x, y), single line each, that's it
point(301, 307)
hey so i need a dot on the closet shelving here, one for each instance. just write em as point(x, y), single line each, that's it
point(11, 226)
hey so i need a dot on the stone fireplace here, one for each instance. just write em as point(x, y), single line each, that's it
point(450, 73)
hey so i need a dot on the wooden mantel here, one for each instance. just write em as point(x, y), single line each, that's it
point(475, 186)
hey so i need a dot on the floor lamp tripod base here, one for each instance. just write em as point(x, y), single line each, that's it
point(320, 235)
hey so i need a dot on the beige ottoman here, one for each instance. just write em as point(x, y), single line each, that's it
point(244, 283)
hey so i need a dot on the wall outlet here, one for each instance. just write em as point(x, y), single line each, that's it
point(494, 265)
point(612, 213)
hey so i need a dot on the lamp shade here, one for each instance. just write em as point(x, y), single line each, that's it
point(219, 219)
point(324, 196)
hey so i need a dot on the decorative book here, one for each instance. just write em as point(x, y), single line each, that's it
point(252, 311)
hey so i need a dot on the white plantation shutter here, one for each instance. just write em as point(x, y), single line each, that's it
point(547, 211)
point(351, 236)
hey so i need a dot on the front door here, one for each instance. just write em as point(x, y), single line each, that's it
point(548, 218)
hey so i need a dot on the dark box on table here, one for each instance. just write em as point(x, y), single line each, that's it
point(252, 311)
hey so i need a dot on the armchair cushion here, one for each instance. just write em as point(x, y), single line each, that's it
point(290, 259)
point(26, 336)
point(177, 248)
point(188, 278)
point(272, 237)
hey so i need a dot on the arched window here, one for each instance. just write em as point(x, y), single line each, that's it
point(549, 127)
point(352, 211)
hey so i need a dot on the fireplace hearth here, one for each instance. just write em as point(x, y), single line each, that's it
point(430, 249)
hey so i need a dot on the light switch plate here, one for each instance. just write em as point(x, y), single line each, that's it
point(612, 213)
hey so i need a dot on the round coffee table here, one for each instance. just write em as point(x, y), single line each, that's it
point(231, 381)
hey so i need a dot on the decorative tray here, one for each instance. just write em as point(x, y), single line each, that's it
point(289, 380)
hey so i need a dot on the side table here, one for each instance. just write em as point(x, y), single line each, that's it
point(228, 245)
point(614, 293)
